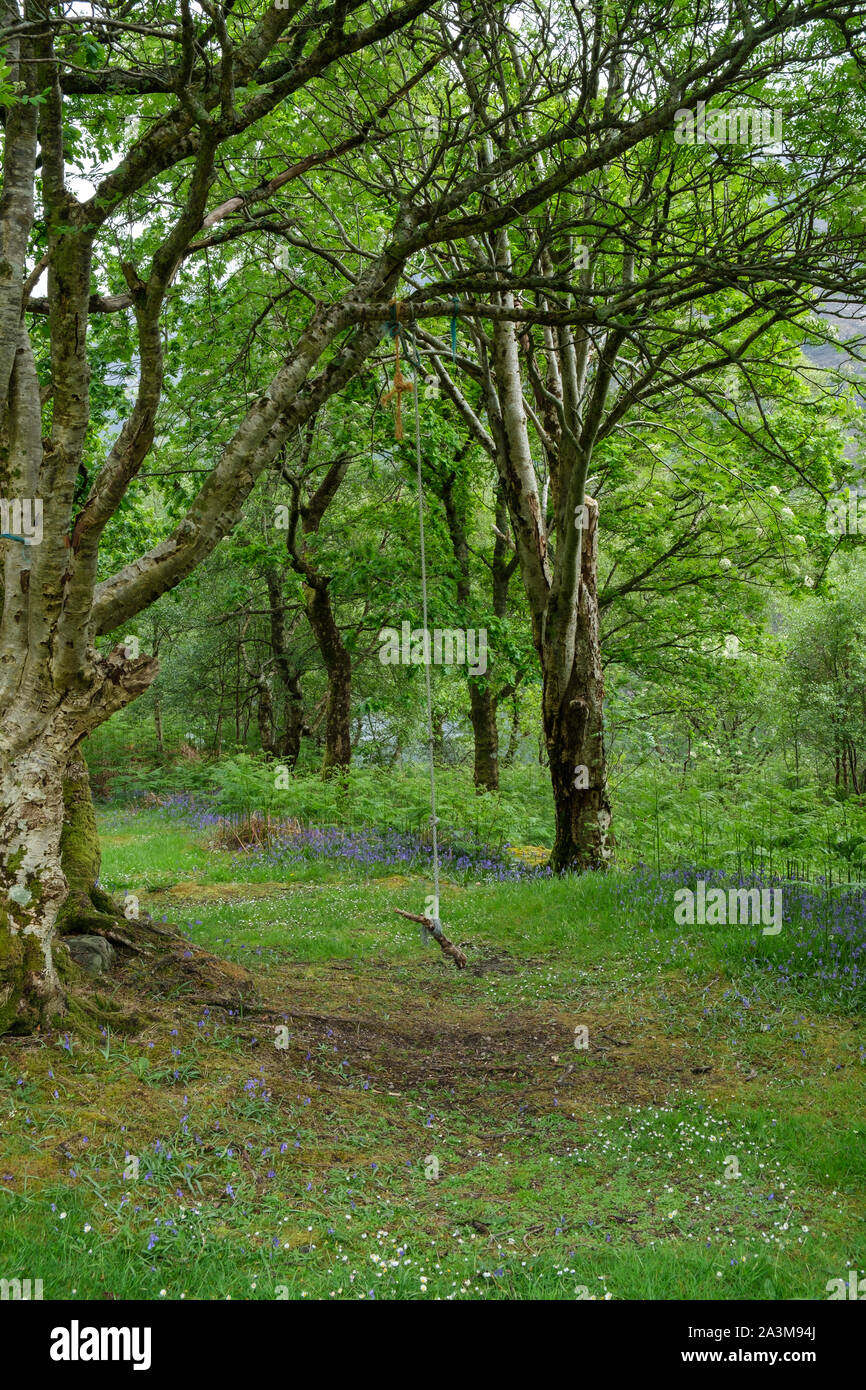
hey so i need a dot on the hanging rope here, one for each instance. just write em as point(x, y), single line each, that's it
point(434, 821)
point(430, 922)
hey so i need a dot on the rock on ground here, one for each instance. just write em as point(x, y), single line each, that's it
point(93, 953)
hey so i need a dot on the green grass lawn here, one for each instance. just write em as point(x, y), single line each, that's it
point(425, 1133)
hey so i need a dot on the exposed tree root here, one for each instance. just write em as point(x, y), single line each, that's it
point(154, 960)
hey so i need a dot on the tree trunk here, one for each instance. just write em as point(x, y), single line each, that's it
point(482, 700)
point(338, 664)
point(87, 908)
point(31, 817)
point(34, 964)
point(482, 712)
point(290, 742)
point(265, 713)
point(514, 733)
point(157, 725)
point(338, 734)
point(35, 756)
point(574, 730)
point(560, 585)
point(319, 609)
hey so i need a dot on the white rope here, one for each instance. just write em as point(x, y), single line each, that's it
point(434, 821)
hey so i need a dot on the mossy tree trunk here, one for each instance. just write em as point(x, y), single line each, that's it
point(88, 908)
point(36, 745)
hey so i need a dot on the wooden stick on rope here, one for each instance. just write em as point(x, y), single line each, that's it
point(434, 928)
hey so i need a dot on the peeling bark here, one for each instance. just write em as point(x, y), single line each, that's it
point(36, 755)
point(33, 887)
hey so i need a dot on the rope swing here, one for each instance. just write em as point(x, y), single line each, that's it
point(430, 923)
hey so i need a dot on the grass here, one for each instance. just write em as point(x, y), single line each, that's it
point(425, 1133)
